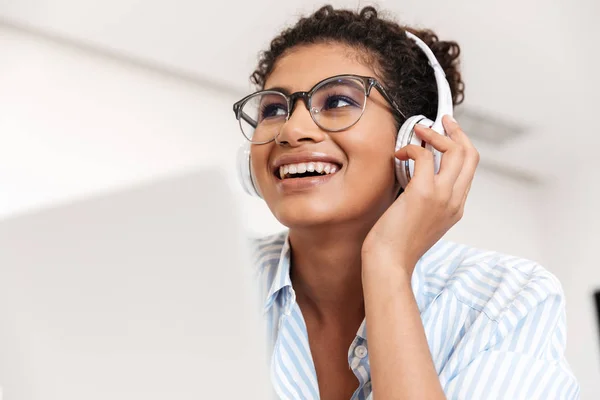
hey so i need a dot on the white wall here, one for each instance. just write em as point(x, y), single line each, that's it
point(501, 215)
point(572, 240)
point(74, 123)
point(571, 205)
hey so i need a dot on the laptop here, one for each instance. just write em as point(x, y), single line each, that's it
point(144, 293)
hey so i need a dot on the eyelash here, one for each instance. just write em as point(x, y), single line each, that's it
point(337, 96)
point(341, 97)
point(264, 108)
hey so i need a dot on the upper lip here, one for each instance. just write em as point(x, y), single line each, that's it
point(295, 158)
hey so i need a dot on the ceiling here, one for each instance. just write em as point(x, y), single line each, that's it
point(524, 61)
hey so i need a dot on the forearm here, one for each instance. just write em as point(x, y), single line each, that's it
point(401, 364)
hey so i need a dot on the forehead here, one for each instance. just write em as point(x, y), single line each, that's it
point(304, 66)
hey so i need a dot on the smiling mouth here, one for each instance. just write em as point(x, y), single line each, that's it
point(306, 170)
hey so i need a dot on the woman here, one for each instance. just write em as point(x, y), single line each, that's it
point(363, 254)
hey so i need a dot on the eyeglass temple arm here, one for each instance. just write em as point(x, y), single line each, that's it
point(389, 99)
point(248, 119)
point(239, 113)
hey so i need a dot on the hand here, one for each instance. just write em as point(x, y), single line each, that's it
point(431, 203)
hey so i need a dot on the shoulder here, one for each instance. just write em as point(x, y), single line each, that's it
point(505, 288)
point(488, 314)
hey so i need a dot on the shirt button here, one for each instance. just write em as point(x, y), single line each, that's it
point(360, 351)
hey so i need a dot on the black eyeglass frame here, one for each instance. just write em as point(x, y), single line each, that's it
point(368, 84)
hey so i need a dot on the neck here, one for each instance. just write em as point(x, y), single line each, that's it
point(326, 272)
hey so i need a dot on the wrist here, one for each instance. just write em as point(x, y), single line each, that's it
point(381, 265)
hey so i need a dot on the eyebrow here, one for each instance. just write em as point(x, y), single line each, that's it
point(279, 89)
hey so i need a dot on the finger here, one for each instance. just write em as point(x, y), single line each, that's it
point(458, 203)
point(465, 179)
point(424, 167)
point(453, 155)
point(451, 167)
point(466, 193)
point(455, 133)
point(471, 160)
point(439, 142)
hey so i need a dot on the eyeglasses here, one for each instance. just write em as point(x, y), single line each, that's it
point(335, 104)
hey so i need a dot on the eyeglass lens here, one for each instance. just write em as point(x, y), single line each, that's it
point(334, 106)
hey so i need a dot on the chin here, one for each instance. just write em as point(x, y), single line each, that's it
point(305, 212)
point(342, 203)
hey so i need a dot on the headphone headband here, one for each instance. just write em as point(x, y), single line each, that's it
point(445, 105)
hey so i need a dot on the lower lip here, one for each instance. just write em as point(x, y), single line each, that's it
point(299, 184)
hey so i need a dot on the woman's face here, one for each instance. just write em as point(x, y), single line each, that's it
point(363, 184)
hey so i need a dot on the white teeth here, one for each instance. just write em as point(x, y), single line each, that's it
point(301, 168)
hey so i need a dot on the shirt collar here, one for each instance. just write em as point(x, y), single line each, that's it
point(281, 279)
point(362, 330)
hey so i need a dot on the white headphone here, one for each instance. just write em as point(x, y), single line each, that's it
point(406, 136)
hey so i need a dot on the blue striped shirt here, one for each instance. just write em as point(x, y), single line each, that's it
point(495, 325)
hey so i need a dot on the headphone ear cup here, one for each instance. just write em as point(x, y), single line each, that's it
point(406, 136)
point(245, 175)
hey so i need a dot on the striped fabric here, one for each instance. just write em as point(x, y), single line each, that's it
point(495, 325)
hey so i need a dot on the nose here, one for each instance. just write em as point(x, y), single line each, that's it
point(299, 128)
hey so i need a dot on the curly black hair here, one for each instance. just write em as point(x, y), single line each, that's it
point(398, 62)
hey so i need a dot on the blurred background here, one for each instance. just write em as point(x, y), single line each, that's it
point(96, 96)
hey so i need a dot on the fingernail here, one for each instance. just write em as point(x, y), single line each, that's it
point(452, 119)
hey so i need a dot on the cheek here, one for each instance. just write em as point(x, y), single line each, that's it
point(373, 151)
point(371, 161)
point(372, 170)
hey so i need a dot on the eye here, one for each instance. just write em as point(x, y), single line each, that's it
point(273, 110)
point(339, 101)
